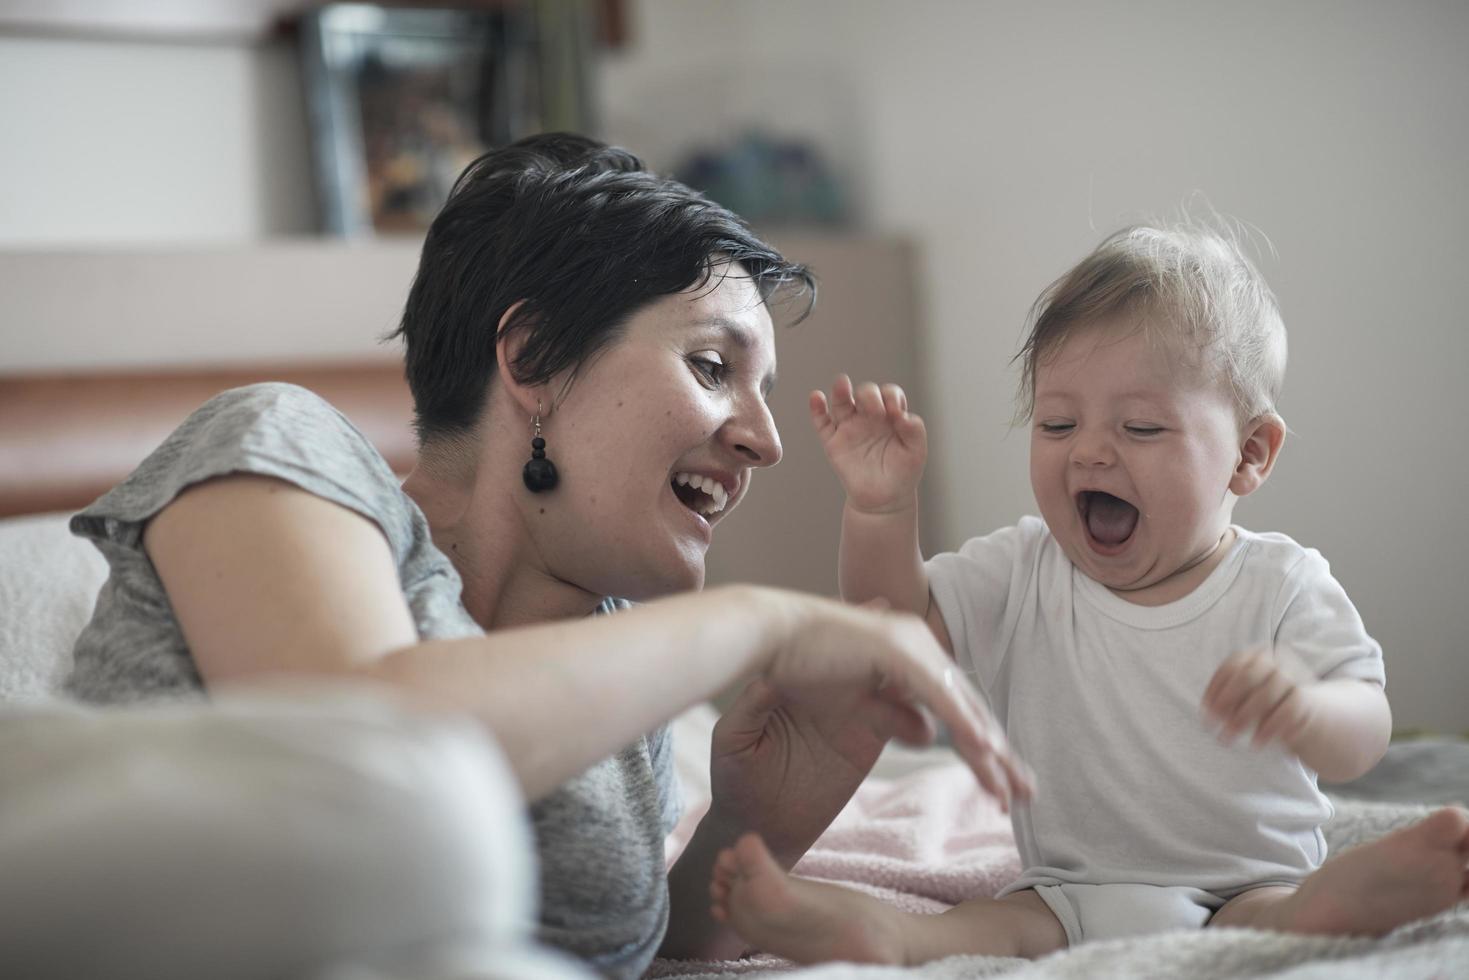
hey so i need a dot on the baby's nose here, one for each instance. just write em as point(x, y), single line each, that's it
point(1092, 449)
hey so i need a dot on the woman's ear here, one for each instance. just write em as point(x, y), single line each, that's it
point(1258, 450)
point(508, 344)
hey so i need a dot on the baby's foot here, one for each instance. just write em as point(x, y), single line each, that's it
point(805, 921)
point(1370, 890)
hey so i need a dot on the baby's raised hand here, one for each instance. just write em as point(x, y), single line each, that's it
point(1257, 691)
point(876, 446)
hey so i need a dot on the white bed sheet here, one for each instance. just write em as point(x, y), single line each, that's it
point(48, 585)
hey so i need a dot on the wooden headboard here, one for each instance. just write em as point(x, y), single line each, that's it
point(67, 438)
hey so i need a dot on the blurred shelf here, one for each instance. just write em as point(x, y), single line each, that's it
point(310, 298)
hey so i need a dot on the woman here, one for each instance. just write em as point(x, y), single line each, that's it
point(589, 350)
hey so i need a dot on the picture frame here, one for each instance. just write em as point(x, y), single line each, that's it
point(400, 100)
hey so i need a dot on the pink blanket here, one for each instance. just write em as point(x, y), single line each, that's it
point(924, 842)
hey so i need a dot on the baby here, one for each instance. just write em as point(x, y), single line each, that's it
point(1126, 638)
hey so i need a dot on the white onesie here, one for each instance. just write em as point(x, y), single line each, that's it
point(1102, 697)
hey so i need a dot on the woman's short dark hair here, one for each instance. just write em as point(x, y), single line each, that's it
point(583, 237)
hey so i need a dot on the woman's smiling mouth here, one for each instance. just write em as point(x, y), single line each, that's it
point(704, 495)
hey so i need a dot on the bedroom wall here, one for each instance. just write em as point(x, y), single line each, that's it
point(1004, 140)
point(124, 141)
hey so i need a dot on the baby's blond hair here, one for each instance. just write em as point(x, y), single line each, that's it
point(1193, 283)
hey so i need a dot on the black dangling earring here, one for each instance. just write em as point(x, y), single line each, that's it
point(539, 473)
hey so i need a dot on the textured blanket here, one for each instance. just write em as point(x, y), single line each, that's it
point(929, 839)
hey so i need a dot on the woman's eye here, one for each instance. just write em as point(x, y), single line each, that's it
point(709, 367)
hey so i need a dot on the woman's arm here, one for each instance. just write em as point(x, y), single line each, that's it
point(267, 579)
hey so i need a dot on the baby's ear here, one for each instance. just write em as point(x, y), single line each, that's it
point(1258, 449)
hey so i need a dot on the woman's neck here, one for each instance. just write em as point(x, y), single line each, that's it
point(480, 529)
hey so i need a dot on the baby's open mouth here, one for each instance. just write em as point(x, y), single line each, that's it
point(703, 495)
point(1110, 520)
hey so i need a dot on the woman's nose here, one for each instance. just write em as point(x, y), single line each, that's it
point(754, 435)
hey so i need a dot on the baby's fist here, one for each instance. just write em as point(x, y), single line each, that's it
point(1256, 691)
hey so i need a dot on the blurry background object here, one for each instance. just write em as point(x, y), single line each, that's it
point(768, 180)
point(401, 100)
point(181, 20)
point(781, 142)
point(71, 437)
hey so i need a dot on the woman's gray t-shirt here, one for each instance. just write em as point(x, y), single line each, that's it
point(604, 894)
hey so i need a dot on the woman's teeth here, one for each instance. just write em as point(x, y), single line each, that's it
point(712, 496)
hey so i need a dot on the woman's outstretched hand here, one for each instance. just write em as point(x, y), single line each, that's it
point(893, 657)
point(804, 734)
point(787, 769)
point(830, 684)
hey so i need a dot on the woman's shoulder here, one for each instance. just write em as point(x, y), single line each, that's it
point(271, 429)
point(265, 410)
point(293, 423)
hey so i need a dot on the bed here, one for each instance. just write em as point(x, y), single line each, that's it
point(918, 834)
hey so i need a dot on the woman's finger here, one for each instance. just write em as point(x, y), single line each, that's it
point(989, 772)
point(1017, 774)
point(977, 707)
point(982, 746)
point(895, 718)
point(1001, 780)
point(937, 686)
point(1021, 776)
point(909, 666)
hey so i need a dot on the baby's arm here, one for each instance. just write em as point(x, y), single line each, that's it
point(878, 448)
point(1338, 727)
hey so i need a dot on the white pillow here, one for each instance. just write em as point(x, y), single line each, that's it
point(48, 587)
